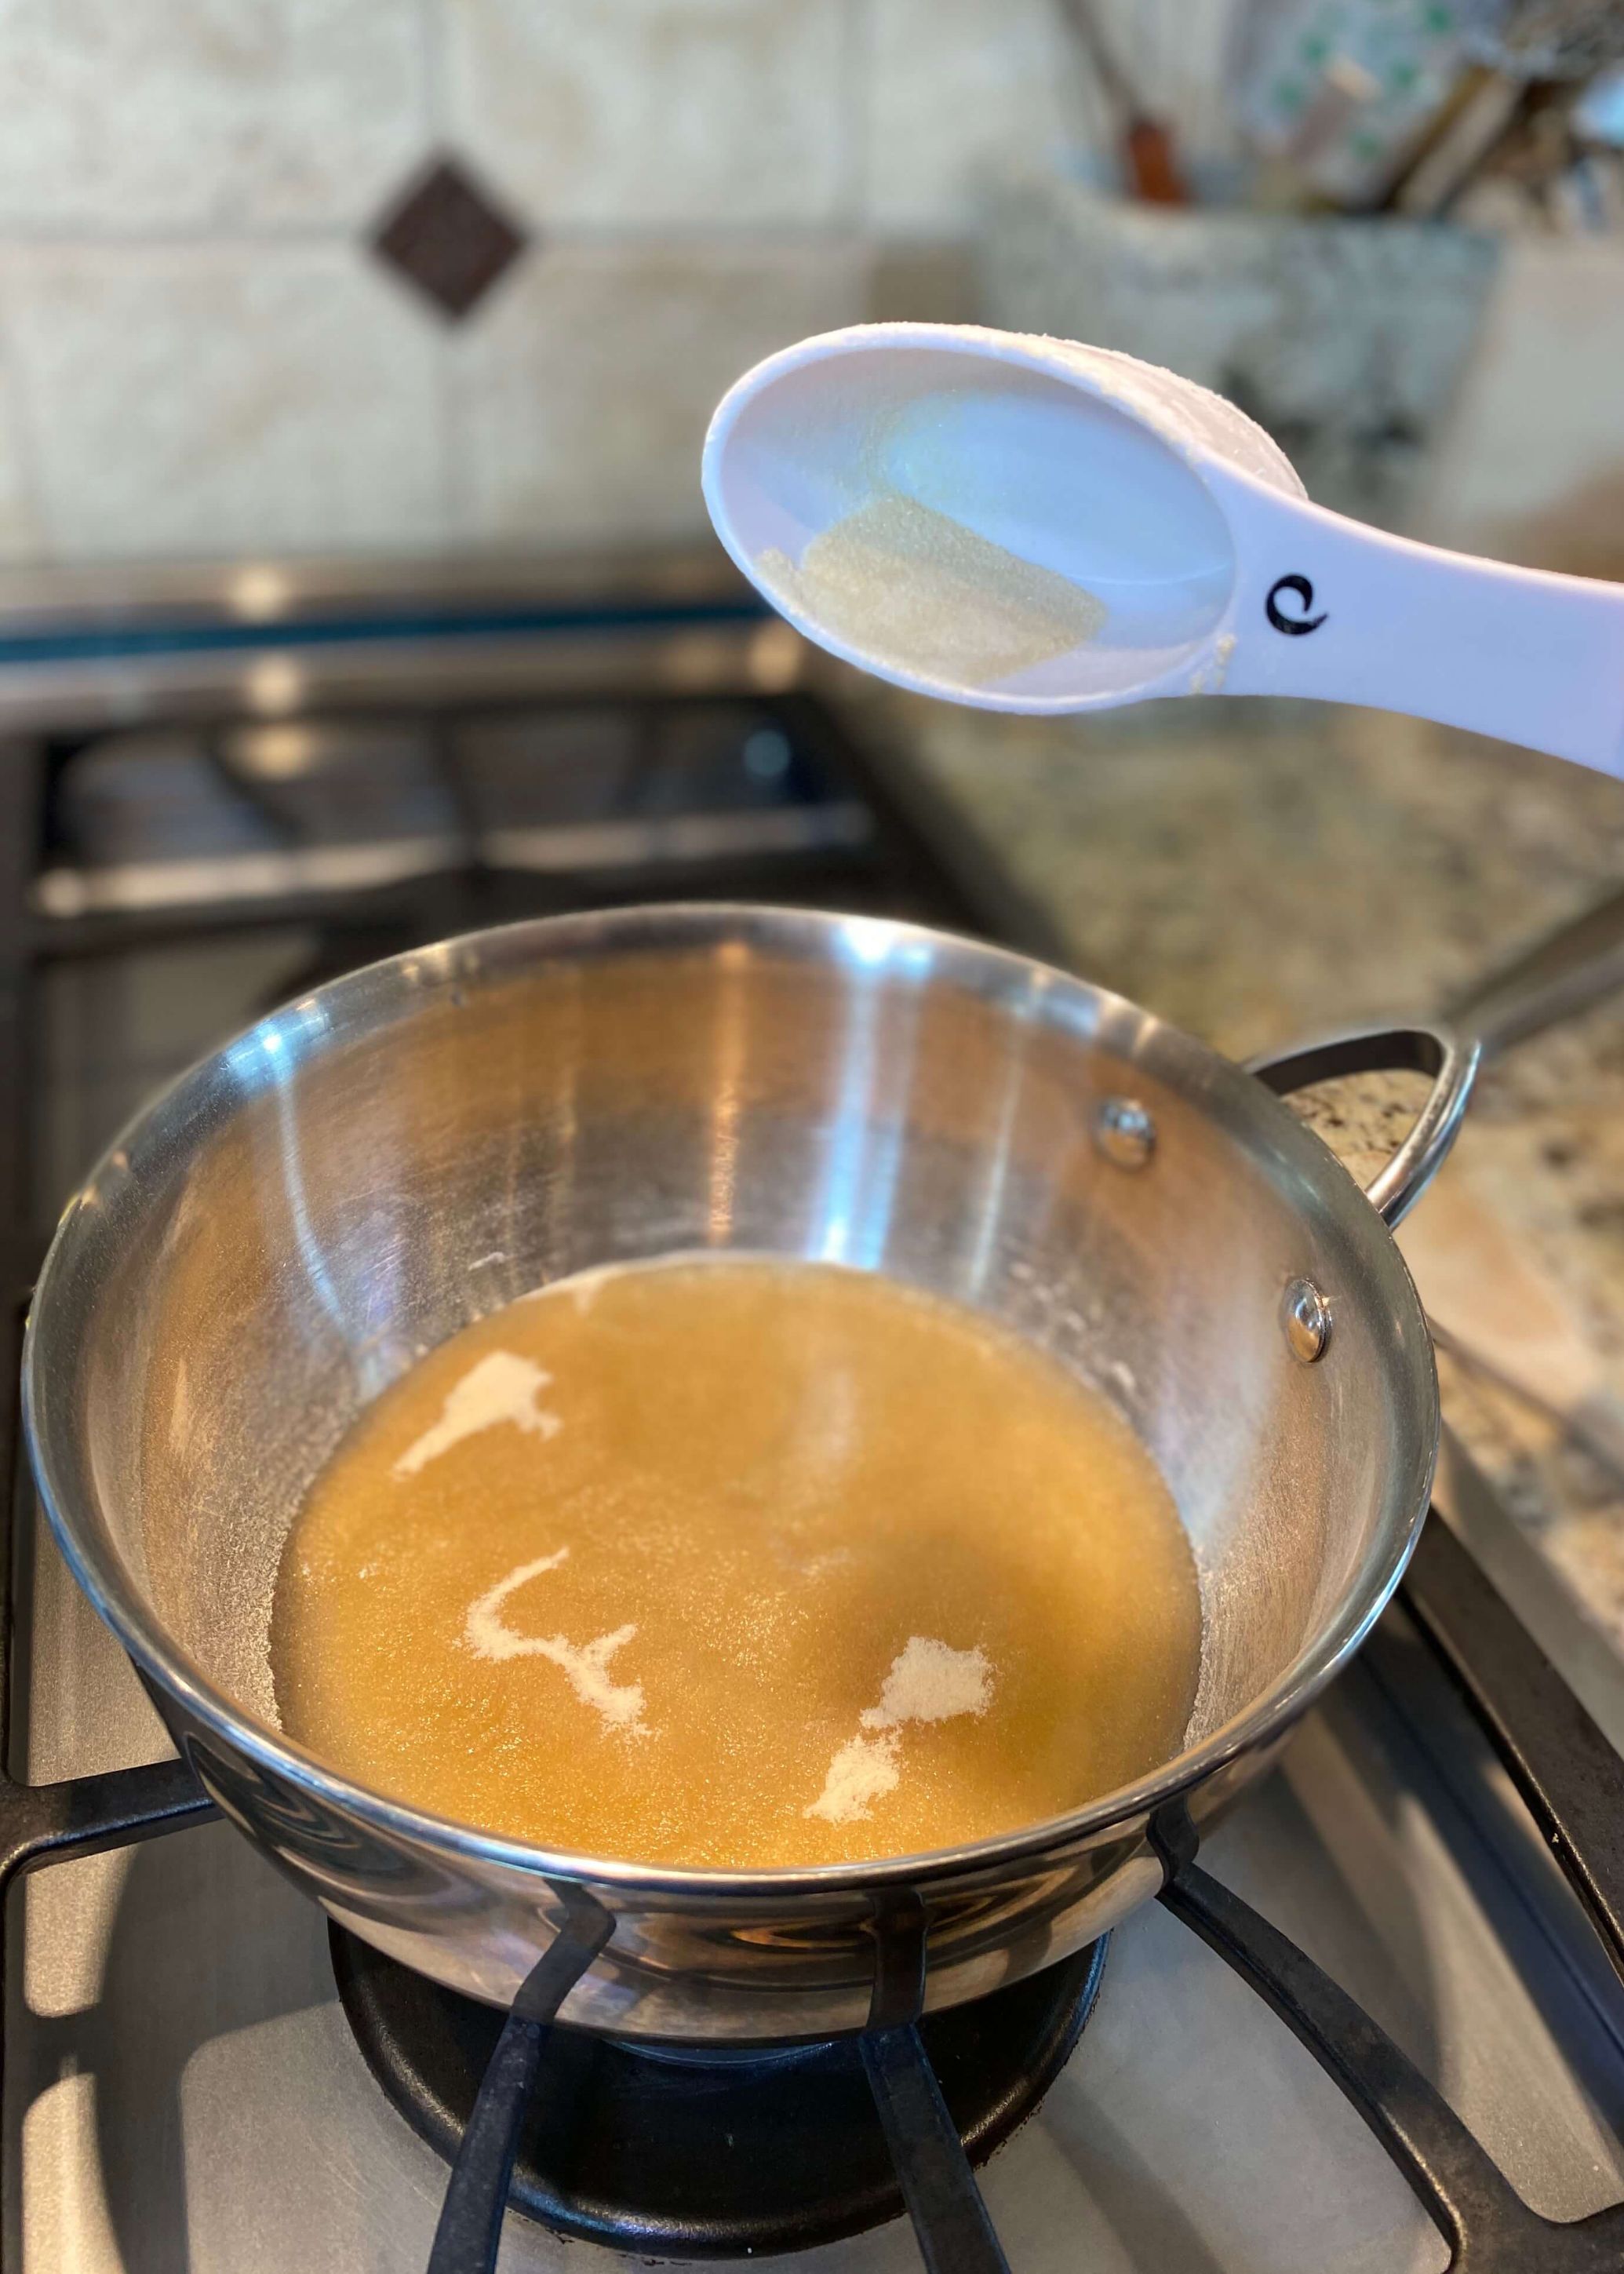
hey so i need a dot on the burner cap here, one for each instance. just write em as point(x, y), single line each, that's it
point(772, 2150)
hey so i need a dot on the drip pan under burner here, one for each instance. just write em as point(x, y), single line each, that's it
point(691, 2158)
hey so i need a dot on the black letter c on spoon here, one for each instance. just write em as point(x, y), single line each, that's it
point(1295, 627)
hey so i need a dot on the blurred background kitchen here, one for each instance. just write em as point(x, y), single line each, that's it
point(356, 276)
point(355, 357)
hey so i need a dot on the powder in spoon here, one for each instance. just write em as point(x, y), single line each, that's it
point(919, 591)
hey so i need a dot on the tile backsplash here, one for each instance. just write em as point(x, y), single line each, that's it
point(198, 117)
point(201, 355)
point(577, 404)
point(673, 114)
point(181, 398)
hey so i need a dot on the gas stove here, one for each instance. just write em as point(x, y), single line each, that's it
point(203, 816)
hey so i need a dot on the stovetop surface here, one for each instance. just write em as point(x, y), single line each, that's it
point(181, 2090)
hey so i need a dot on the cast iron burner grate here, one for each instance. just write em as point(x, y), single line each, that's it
point(537, 2115)
point(685, 2157)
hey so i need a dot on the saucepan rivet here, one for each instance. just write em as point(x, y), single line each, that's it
point(1124, 1132)
point(1306, 1317)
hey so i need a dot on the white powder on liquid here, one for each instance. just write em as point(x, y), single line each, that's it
point(863, 1771)
point(917, 590)
point(501, 1388)
point(929, 1680)
point(584, 1665)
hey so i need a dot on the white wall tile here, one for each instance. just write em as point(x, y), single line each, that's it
point(582, 398)
point(121, 115)
point(194, 401)
point(654, 113)
point(951, 88)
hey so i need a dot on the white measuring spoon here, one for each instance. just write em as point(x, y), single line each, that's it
point(1029, 524)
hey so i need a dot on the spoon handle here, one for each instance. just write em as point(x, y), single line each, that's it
point(1326, 607)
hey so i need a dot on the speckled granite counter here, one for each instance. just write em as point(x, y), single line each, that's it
point(1257, 871)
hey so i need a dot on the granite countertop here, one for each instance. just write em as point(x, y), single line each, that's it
point(1259, 871)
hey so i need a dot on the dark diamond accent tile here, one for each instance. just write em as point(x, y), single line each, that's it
point(447, 237)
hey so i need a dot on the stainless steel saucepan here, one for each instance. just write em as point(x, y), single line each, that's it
point(372, 1167)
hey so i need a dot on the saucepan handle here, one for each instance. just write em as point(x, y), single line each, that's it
point(1429, 1047)
point(1557, 976)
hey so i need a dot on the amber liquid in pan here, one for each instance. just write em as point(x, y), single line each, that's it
point(738, 1562)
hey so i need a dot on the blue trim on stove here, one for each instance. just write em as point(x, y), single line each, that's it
point(110, 643)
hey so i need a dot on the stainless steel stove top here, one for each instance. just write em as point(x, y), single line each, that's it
point(182, 2089)
point(181, 2093)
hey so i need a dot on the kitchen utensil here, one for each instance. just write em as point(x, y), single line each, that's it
point(363, 1172)
point(1150, 167)
point(1516, 47)
point(1282, 183)
point(1285, 58)
point(1558, 975)
point(1468, 129)
point(1091, 474)
point(1545, 39)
